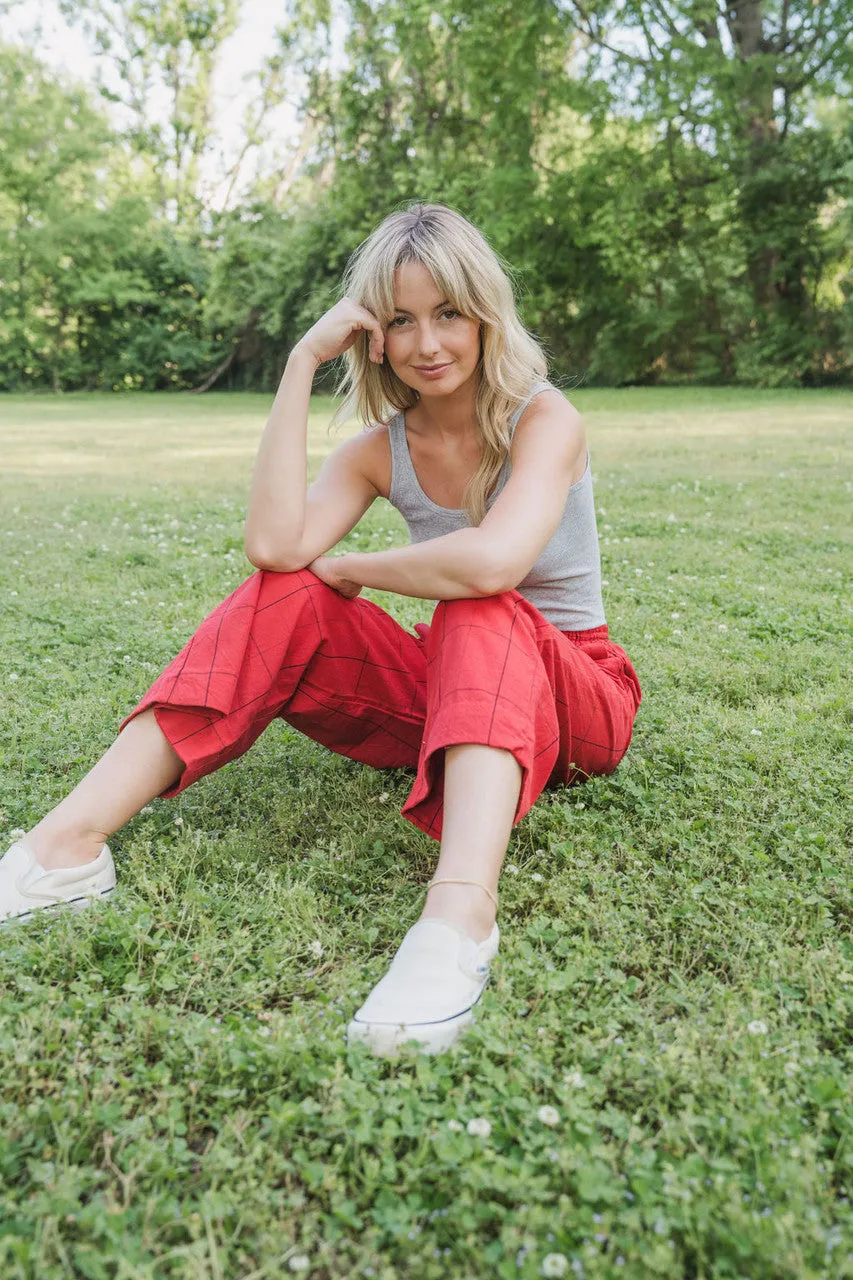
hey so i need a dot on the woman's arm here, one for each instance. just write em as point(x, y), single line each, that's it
point(450, 567)
point(276, 512)
point(275, 521)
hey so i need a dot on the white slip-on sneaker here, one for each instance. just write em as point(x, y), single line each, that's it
point(26, 886)
point(429, 993)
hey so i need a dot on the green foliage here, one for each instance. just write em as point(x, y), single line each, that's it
point(677, 206)
point(100, 293)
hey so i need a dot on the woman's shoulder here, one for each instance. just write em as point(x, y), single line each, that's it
point(550, 421)
point(374, 452)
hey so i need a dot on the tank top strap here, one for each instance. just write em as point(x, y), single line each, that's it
point(403, 479)
point(541, 385)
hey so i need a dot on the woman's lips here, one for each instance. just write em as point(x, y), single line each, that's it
point(435, 372)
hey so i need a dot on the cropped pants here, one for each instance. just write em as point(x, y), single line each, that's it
point(490, 670)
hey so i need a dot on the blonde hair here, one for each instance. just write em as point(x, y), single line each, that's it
point(477, 283)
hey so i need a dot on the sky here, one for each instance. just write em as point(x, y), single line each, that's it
point(40, 25)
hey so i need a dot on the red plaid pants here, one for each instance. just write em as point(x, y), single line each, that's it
point(490, 670)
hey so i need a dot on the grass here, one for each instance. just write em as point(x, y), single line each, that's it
point(675, 979)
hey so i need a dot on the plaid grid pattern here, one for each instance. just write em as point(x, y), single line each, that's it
point(490, 670)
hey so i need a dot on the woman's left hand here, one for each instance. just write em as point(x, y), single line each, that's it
point(328, 570)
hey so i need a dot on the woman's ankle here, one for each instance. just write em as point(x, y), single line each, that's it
point(53, 848)
point(466, 906)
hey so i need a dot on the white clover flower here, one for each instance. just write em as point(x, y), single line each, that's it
point(383, 797)
point(299, 1262)
point(511, 869)
point(554, 1264)
point(454, 1126)
point(575, 1078)
point(537, 877)
point(756, 733)
point(316, 948)
point(675, 615)
point(721, 626)
point(757, 1028)
point(791, 1067)
point(479, 1128)
point(18, 833)
point(548, 1115)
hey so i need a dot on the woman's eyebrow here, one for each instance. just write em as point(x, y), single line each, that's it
point(435, 308)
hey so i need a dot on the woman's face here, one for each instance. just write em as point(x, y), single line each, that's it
point(426, 331)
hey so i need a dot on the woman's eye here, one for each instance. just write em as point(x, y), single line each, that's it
point(448, 311)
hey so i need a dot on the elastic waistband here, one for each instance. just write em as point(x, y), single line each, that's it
point(592, 633)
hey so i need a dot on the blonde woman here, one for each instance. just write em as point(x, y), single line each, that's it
point(513, 686)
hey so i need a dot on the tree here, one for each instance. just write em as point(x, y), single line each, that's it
point(170, 45)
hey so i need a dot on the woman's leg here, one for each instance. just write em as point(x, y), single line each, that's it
point(282, 644)
point(136, 768)
point(481, 789)
point(531, 705)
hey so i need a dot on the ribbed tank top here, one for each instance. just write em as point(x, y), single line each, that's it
point(565, 582)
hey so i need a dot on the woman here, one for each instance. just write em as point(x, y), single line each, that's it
point(515, 684)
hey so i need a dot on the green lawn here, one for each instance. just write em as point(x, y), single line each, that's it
point(675, 977)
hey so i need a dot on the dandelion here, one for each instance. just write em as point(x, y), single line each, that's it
point(757, 1028)
point(479, 1128)
point(13, 675)
point(548, 1115)
point(554, 1264)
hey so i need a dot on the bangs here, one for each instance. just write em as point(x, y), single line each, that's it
point(450, 278)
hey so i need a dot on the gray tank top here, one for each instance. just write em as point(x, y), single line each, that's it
point(565, 582)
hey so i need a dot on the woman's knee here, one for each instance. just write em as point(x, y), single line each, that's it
point(476, 606)
point(294, 585)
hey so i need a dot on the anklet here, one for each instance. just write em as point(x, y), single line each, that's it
point(448, 880)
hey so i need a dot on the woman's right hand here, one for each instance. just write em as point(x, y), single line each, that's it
point(338, 329)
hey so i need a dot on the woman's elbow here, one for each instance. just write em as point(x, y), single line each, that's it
point(271, 563)
point(496, 577)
